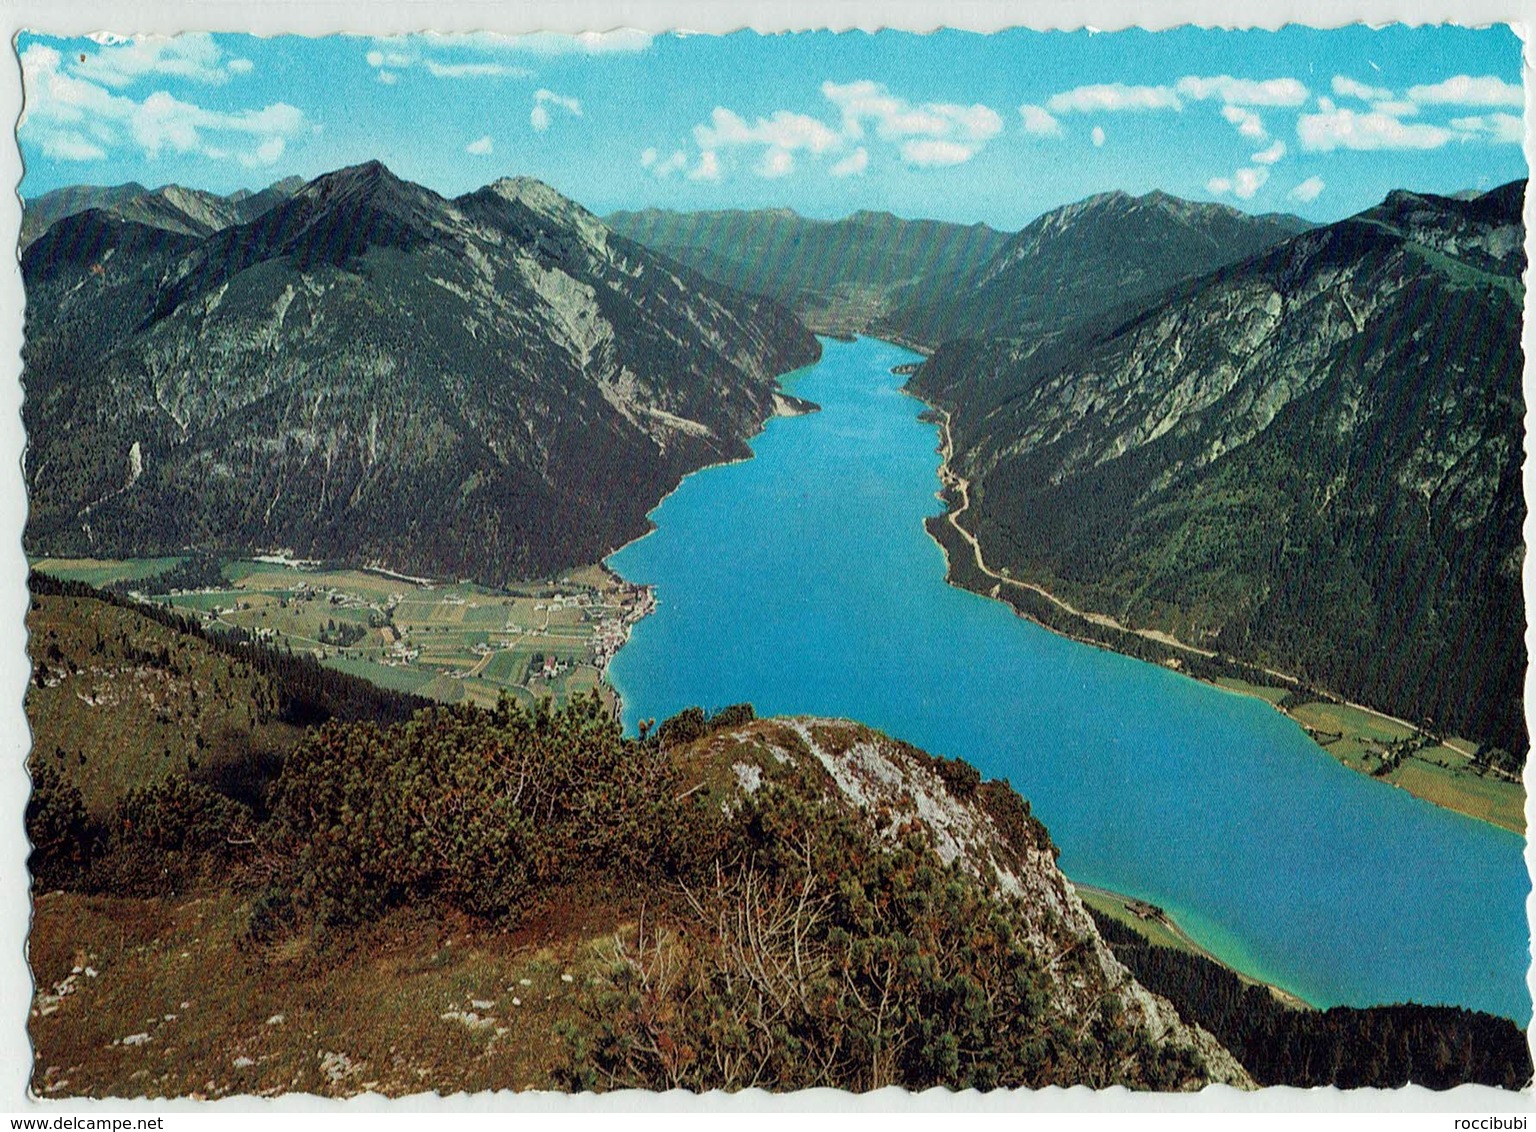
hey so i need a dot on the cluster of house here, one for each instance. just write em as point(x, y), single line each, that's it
point(610, 634)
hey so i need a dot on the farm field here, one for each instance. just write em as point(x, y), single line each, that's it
point(453, 642)
point(104, 571)
point(1439, 770)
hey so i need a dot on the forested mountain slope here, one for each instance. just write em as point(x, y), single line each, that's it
point(710, 890)
point(1082, 259)
point(840, 276)
point(494, 386)
point(1309, 459)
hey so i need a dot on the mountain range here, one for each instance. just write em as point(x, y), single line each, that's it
point(924, 282)
point(1309, 458)
point(839, 276)
point(492, 386)
point(1277, 441)
point(171, 207)
point(1299, 446)
point(1108, 251)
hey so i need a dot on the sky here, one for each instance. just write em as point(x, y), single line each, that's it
point(955, 126)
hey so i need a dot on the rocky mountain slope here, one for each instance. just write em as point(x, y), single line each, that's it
point(984, 833)
point(840, 276)
point(493, 386)
point(1310, 459)
point(172, 207)
point(1079, 260)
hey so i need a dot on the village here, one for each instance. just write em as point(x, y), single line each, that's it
point(450, 641)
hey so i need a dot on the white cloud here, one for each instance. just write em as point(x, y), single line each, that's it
point(1496, 127)
point(708, 168)
point(928, 153)
point(1249, 124)
point(476, 70)
point(1098, 135)
point(1334, 128)
point(66, 145)
point(390, 56)
point(855, 163)
point(267, 153)
point(1243, 92)
point(784, 130)
point(58, 101)
point(194, 57)
point(1347, 87)
point(776, 162)
point(1242, 184)
point(665, 166)
point(895, 118)
point(1113, 97)
point(976, 123)
point(1466, 90)
point(926, 135)
point(390, 59)
point(481, 146)
point(1039, 121)
point(1308, 190)
point(1271, 155)
point(540, 118)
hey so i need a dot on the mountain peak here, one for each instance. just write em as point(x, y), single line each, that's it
point(353, 180)
point(361, 205)
point(546, 203)
point(532, 192)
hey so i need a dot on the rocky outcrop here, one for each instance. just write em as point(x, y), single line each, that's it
point(985, 830)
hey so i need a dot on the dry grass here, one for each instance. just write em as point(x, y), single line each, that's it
point(183, 1004)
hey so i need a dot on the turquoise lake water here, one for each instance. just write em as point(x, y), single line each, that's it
point(803, 582)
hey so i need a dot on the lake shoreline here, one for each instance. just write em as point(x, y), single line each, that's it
point(1156, 647)
point(785, 406)
point(794, 582)
point(1150, 922)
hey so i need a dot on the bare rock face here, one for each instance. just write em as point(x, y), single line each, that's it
point(1309, 459)
point(986, 830)
point(493, 386)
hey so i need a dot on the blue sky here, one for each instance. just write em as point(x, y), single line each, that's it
point(955, 125)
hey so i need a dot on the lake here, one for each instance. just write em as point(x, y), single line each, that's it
point(803, 581)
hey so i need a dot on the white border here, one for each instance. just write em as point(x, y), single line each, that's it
point(319, 17)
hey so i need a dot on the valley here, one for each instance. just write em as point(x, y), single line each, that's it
point(1168, 429)
point(1175, 792)
point(448, 642)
